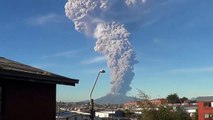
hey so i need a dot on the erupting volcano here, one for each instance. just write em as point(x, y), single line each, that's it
point(106, 22)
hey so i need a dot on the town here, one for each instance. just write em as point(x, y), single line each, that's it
point(200, 108)
point(36, 89)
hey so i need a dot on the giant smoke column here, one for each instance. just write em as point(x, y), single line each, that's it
point(95, 18)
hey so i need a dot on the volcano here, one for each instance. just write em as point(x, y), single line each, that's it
point(114, 99)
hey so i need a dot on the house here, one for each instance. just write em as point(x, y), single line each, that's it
point(28, 93)
point(105, 114)
point(72, 115)
point(159, 101)
point(111, 115)
point(190, 109)
point(130, 104)
point(205, 108)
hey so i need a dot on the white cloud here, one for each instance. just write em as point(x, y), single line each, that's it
point(150, 21)
point(71, 53)
point(94, 60)
point(44, 19)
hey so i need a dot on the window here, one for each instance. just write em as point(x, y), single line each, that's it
point(208, 116)
point(207, 104)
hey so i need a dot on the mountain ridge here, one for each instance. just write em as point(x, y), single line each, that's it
point(113, 99)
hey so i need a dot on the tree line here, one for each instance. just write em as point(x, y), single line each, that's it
point(164, 112)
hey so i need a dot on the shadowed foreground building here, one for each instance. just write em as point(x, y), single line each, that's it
point(28, 93)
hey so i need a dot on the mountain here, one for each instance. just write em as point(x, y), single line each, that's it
point(114, 99)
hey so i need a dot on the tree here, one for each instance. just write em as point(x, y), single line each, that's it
point(173, 98)
point(128, 113)
point(145, 99)
point(164, 112)
point(156, 114)
point(195, 116)
point(183, 99)
point(180, 114)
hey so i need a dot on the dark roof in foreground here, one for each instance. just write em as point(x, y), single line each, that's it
point(16, 71)
point(205, 98)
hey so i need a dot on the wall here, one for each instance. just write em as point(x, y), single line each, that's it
point(202, 110)
point(29, 100)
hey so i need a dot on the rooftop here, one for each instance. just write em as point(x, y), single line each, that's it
point(13, 70)
point(205, 98)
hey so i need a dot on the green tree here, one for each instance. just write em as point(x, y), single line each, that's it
point(173, 98)
point(183, 99)
point(164, 113)
point(128, 113)
point(195, 116)
point(154, 112)
point(180, 114)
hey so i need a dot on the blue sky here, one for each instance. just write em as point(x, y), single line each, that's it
point(173, 44)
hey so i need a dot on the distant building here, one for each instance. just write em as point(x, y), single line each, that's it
point(105, 114)
point(73, 115)
point(205, 108)
point(139, 103)
point(111, 115)
point(132, 103)
point(158, 101)
point(190, 109)
point(28, 93)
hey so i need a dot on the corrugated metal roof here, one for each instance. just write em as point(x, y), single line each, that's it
point(14, 70)
point(15, 66)
point(205, 98)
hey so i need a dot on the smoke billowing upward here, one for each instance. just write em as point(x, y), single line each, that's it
point(113, 42)
point(106, 22)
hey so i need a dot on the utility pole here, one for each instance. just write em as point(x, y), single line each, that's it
point(92, 111)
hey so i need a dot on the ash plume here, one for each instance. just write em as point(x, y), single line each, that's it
point(105, 21)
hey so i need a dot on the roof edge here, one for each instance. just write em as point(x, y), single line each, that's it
point(24, 76)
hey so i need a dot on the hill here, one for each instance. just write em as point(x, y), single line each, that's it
point(114, 99)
